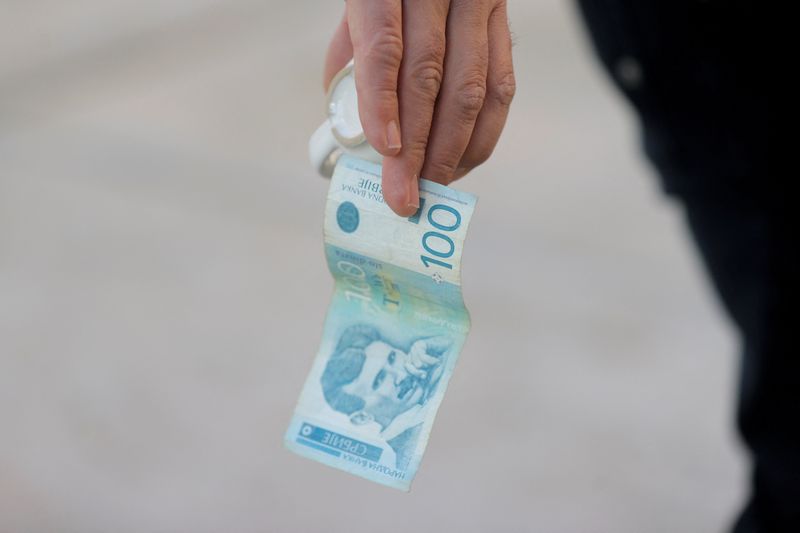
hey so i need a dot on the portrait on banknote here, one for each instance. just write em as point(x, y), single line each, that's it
point(374, 380)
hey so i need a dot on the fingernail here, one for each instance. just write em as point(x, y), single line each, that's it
point(393, 141)
point(413, 192)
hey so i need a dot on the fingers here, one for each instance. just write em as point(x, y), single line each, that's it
point(500, 88)
point(420, 78)
point(419, 362)
point(463, 89)
point(401, 70)
point(340, 51)
point(438, 344)
point(419, 355)
point(414, 371)
point(376, 32)
point(413, 364)
point(427, 360)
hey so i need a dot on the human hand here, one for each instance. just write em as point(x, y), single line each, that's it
point(419, 361)
point(429, 109)
point(426, 355)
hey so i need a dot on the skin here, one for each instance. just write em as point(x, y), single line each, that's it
point(382, 383)
point(435, 80)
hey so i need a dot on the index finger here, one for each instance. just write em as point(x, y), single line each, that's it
point(376, 31)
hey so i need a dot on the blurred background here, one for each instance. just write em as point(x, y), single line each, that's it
point(162, 292)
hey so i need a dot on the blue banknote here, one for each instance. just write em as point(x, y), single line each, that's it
point(394, 329)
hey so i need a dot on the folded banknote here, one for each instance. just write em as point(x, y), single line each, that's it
point(394, 329)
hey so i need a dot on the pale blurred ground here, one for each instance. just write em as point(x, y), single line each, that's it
point(162, 291)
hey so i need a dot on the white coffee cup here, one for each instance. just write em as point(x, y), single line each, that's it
point(341, 132)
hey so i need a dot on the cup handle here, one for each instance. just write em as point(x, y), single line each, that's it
point(323, 150)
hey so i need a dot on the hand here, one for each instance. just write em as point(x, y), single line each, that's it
point(421, 359)
point(434, 79)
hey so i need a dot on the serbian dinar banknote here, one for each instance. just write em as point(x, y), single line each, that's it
point(394, 328)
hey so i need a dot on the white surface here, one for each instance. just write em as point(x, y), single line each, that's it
point(161, 263)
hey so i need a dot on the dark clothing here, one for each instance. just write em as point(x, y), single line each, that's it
point(692, 71)
point(695, 73)
point(747, 251)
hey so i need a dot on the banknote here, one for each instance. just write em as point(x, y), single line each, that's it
point(393, 332)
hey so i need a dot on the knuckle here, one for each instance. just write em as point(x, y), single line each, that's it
point(470, 96)
point(427, 73)
point(504, 88)
point(483, 156)
point(427, 76)
point(385, 50)
point(477, 157)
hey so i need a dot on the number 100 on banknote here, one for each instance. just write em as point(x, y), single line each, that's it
point(394, 329)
